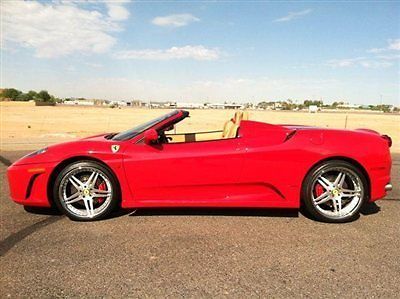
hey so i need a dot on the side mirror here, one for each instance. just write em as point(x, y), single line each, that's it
point(150, 136)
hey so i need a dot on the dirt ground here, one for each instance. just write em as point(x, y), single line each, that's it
point(25, 126)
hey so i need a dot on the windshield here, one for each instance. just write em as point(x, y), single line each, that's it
point(143, 127)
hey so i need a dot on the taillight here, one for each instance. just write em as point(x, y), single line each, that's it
point(388, 139)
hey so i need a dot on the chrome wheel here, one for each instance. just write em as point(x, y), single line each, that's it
point(337, 192)
point(85, 192)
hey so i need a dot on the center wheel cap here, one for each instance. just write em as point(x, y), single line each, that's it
point(86, 192)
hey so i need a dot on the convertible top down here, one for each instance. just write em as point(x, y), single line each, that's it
point(245, 164)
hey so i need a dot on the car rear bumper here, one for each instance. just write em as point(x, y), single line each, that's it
point(380, 183)
point(28, 184)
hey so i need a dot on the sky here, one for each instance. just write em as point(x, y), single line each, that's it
point(204, 51)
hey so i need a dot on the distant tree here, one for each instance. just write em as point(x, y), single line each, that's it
point(31, 95)
point(265, 105)
point(23, 97)
point(11, 93)
point(336, 104)
point(308, 103)
point(44, 96)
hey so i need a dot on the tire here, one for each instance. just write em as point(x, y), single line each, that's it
point(334, 192)
point(86, 191)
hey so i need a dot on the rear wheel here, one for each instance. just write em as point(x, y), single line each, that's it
point(85, 191)
point(334, 191)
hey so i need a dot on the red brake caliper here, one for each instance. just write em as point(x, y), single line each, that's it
point(102, 187)
point(318, 189)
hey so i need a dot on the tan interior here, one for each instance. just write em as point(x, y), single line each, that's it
point(229, 130)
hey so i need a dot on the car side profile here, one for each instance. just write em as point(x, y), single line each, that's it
point(245, 164)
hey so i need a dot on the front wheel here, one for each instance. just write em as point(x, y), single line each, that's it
point(334, 191)
point(85, 191)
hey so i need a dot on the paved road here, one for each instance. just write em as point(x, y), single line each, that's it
point(198, 253)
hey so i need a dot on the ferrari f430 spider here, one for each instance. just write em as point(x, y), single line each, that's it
point(246, 164)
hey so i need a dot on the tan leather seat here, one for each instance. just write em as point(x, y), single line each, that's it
point(231, 127)
point(230, 130)
point(233, 132)
point(238, 117)
point(227, 127)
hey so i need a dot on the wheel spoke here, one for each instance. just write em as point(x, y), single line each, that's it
point(350, 193)
point(73, 198)
point(92, 179)
point(89, 207)
point(324, 197)
point(339, 179)
point(325, 183)
point(339, 205)
point(340, 184)
point(335, 206)
point(75, 182)
point(101, 193)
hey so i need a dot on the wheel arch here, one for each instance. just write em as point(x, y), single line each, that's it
point(69, 161)
point(352, 161)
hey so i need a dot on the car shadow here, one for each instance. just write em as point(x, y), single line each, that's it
point(43, 211)
point(55, 212)
point(370, 208)
point(367, 209)
point(247, 212)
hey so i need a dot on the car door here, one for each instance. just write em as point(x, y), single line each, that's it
point(192, 173)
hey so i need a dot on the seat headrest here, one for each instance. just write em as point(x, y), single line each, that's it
point(239, 116)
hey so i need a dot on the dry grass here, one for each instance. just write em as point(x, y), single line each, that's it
point(25, 126)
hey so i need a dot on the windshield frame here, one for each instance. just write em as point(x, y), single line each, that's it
point(135, 131)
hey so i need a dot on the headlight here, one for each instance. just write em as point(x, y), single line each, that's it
point(38, 152)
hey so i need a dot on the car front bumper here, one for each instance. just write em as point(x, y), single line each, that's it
point(28, 183)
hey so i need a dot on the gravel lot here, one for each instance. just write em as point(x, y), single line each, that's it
point(199, 253)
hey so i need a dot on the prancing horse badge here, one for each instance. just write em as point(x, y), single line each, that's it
point(115, 148)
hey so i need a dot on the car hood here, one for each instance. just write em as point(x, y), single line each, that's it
point(63, 150)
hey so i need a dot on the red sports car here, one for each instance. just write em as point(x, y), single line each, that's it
point(246, 164)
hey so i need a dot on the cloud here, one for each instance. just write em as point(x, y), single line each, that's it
point(335, 63)
point(187, 52)
point(393, 45)
point(94, 65)
point(116, 11)
point(178, 20)
point(383, 58)
point(60, 28)
point(374, 62)
point(293, 15)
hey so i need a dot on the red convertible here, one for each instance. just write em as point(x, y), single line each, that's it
point(246, 164)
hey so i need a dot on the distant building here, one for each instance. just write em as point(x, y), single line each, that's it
point(224, 106)
point(73, 101)
point(190, 106)
point(313, 108)
point(169, 105)
point(348, 106)
point(137, 103)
